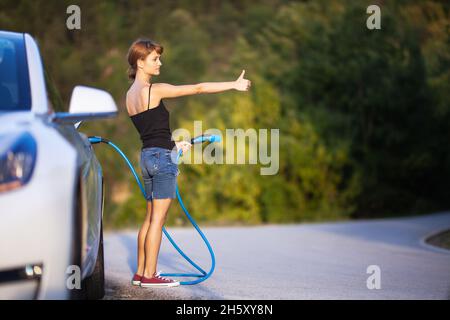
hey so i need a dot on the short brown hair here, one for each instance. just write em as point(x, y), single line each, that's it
point(140, 49)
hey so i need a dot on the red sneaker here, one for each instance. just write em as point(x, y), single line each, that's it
point(136, 281)
point(158, 281)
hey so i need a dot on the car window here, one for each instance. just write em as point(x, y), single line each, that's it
point(14, 81)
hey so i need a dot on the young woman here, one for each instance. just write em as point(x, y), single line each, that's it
point(151, 119)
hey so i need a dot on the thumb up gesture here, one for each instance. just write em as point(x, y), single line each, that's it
point(242, 84)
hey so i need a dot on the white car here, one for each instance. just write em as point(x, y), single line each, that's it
point(51, 183)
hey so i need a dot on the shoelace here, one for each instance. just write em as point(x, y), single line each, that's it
point(157, 275)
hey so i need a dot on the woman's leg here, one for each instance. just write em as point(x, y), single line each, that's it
point(141, 240)
point(153, 240)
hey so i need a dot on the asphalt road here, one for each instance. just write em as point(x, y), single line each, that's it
point(302, 261)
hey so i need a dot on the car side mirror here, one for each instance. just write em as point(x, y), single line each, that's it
point(87, 103)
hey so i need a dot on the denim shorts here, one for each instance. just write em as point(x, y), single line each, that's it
point(160, 171)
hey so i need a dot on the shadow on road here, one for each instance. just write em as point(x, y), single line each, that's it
point(406, 232)
point(173, 264)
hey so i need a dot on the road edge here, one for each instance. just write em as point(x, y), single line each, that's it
point(423, 241)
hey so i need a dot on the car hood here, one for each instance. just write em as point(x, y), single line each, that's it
point(16, 121)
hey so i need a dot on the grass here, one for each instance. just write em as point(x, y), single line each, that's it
point(441, 240)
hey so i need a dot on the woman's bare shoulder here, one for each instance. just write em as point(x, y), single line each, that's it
point(156, 87)
point(135, 98)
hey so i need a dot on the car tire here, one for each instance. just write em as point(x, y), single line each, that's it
point(94, 285)
point(77, 294)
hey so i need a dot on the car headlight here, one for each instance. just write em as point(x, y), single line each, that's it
point(17, 160)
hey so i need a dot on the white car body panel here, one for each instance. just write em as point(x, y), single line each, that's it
point(30, 212)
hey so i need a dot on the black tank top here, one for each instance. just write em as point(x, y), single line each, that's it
point(153, 126)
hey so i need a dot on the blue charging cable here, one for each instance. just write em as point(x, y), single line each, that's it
point(203, 274)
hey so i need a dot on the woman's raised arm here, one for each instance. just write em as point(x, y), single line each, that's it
point(166, 90)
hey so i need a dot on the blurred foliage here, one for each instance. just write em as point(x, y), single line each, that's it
point(363, 114)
